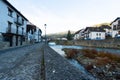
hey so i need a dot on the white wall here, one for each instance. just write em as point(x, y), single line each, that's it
point(77, 36)
point(94, 36)
point(37, 35)
point(114, 32)
point(34, 36)
point(4, 18)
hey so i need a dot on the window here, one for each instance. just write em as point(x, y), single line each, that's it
point(96, 34)
point(118, 22)
point(17, 18)
point(17, 29)
point(22, 21)
point(119, 32)
point(9, 27)
point(22, 31)
point(99, 34)
point(114, 27)
point(118, 26)
point(10, 12)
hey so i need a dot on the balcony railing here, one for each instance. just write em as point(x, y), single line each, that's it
point(8, 30)
point(18, 21)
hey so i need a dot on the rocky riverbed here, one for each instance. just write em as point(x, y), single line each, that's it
point(103, 65)
point(59, 68)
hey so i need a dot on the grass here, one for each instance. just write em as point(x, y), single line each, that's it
point(89, 53)
point(100, 57)
point(99, 63)
point(71, 53)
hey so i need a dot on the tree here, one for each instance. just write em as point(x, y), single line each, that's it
point(69, 35)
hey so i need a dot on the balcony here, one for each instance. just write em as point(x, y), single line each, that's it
point(18, 21)
point(10, 30)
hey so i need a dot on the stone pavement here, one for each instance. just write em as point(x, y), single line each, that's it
point(37, 62)
point(21, 63)
point(58, 67)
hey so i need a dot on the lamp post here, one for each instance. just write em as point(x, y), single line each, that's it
point(45, 33)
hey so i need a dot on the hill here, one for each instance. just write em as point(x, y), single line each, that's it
point(98, 25)
point(59, 34)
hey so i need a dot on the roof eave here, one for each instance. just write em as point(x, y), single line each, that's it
point(5, 1)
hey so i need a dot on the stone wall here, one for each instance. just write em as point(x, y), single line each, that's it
point(1, 37)
point(110, 43)
point(4, 45)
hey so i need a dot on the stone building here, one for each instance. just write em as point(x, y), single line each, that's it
point(12, 24)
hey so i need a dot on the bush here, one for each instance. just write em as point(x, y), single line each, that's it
point(94, 53)
point(101, 57)
point(89, 67)
point(102, 60)
point(71, 53)
point(89, 53)
point(112, 57)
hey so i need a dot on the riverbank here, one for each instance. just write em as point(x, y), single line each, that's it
point(105, 66)
point(59, 68)
point(108, 43)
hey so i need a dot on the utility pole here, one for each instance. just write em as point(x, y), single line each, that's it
point(45, 34)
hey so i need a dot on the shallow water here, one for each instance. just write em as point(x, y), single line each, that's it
point(58, 49)
point(114, 51)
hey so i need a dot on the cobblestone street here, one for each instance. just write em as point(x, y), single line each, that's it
point(21, 63)
point(26, 63)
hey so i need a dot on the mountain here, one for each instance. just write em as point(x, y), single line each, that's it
point(98, 25)
point(59, 34)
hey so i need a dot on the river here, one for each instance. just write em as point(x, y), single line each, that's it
point(114, 51)
point(58, 49)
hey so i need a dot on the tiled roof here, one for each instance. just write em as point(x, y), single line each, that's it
point(115, 20)
point(79, 31)
point(94, 29)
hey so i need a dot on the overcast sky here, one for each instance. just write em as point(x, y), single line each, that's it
point(64, 15)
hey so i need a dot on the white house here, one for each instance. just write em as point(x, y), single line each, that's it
point(79, 34)
point(33, 33)
point(107, 29)
point(12, 24)
point(38, 35)
point(94, 33)
point(76, 35)
point(115, 25)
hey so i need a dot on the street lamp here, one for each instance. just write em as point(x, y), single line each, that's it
point(45, 33)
